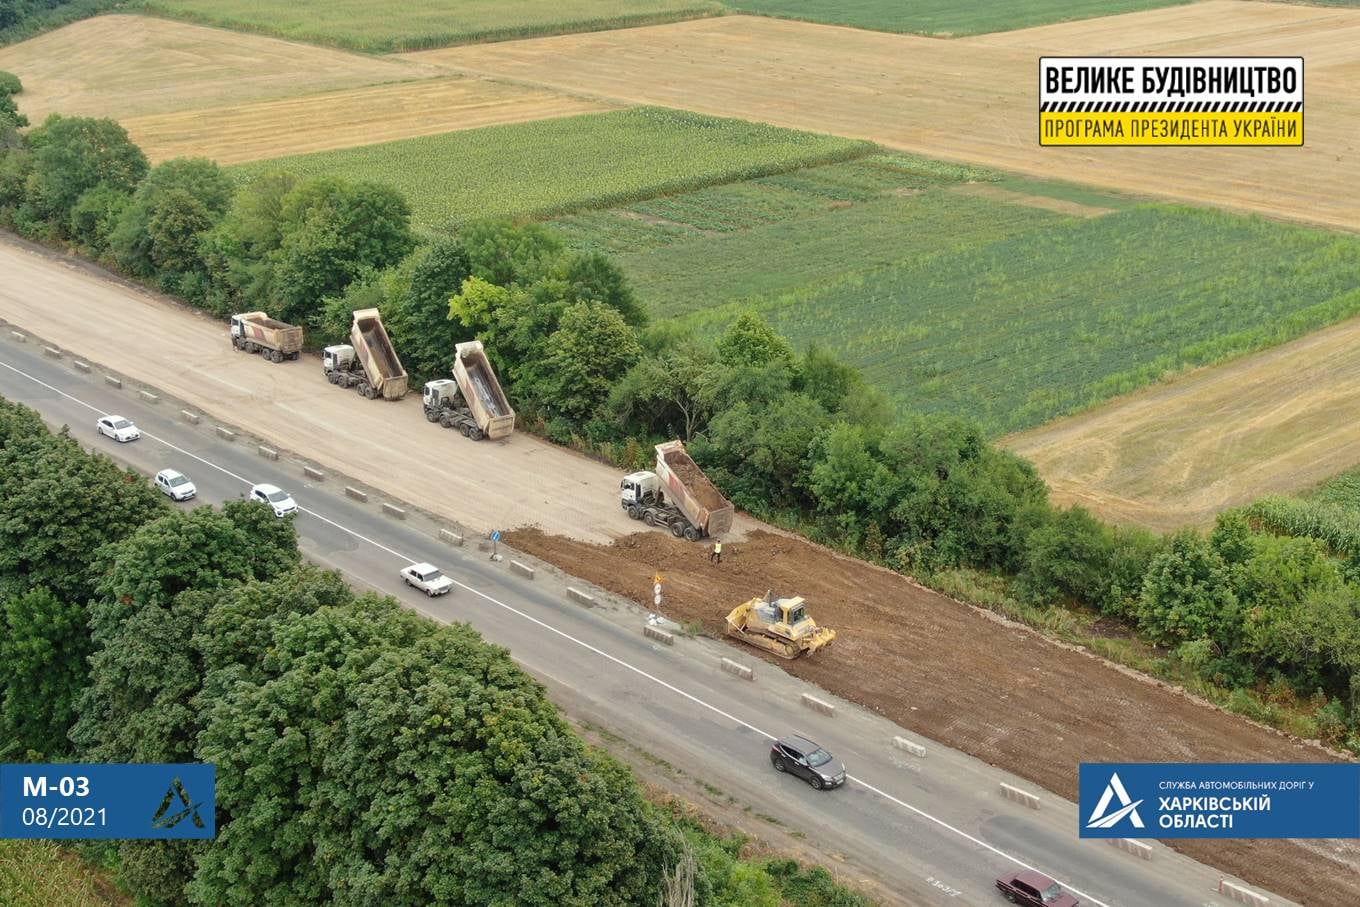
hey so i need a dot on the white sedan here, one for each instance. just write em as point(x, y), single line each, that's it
point(175, 485)
point(426, 578)
point(280, 501)
point(117, 428)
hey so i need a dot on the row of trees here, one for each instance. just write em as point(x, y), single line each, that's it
point(364, 754)
point(796, 436)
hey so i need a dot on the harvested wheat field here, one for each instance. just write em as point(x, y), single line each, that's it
point(976, 99)
point(1272, 423)
point(341, 119)
point(932, 665)
point(126, 66)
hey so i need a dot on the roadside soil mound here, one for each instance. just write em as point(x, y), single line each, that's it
point(995, 690)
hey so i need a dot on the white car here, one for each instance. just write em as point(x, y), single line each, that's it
point(117, 428)
point(175, 485)
point(426, 578)
point(275, 497)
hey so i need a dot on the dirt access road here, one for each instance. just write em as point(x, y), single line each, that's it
point(976, 99)
point(995, 690)
point(482, 485)
point(910, 648)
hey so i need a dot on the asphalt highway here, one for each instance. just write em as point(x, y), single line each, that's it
point(934, 830)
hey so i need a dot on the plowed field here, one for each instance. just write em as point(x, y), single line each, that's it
point(976, 99)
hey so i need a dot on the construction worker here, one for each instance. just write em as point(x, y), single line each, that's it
point(715, 556)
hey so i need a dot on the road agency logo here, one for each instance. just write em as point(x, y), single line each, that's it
point(1171, 101)
point(1128, 808)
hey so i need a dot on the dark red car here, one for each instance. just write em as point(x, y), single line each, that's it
point(1033, 889)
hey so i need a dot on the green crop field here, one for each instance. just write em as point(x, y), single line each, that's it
point(399, 25)
point(42, 874)
point(985, 305)
point(944, 17)
point(553, 166)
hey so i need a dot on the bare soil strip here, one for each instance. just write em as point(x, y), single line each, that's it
point(940, 668)
point(124, 66)
point(342, 119)
point(1043, 202)
point(976, 99)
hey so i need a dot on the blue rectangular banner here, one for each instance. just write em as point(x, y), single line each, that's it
point(108, 801)
point(1219, 800)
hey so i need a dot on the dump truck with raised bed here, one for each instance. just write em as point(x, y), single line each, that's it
point(367, 363)
point(778, 625)
point(472, 401)
point(256, 332)
point(676, 495)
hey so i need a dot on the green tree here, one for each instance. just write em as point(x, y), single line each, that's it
point(95, 215)
point(1187, 593)
point(591, 277)
point(332, 232)
point(43, 644)
point(590, 350)
point(417, 317)
point(72, 155)
point(765, 451)
point(501, 252)
point(178, 202)
point(751, 341)
point(849, 485)
point(663, 394)
point(9, 87)
point(1066, 558)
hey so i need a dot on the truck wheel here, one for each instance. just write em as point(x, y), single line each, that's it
point(475, 433)
point(431, 415)
point(634, 511)
point(677, 530)
point(649, 518)
point(294, 356)
point(332, 377)
point(275, 356)
point(463, 429)
point(370, 392)
point(691, 533)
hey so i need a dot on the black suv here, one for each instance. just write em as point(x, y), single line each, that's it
point(801, 757)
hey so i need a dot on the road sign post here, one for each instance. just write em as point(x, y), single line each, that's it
point(495, 544)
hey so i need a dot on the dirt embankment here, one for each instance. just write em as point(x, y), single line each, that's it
point(996, 691)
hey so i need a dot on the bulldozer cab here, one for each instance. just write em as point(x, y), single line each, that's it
point(794, 612)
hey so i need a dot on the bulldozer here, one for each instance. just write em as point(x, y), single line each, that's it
point(780, 626)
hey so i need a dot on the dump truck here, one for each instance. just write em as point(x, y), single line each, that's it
point(367, 363)
point(676, 495)
point(472, 401)
point(778, 625)
point(256, 332)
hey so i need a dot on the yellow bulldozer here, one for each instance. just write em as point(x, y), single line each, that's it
point(778, 625)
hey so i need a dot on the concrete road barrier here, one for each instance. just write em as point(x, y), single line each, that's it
point(18, 336)
point(1137, 848)
point(394, 511)
point(578, 595)
point(522, 569)
point(80, 366)
point(902, 743)
point(1015, 794)
point(453, 538)
point(189, 416)
point(112, 381)
point(148, 397)
point(818, 705)
point(1241, 893)
point(740, 670)
point(268, 453)
point(52, 351)
point(312, 473)
point(352, 492)
point(226, 434)
point(660, 636)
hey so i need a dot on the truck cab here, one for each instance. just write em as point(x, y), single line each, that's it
point(639, 488)
point(440, 394)
point(238, 329)
point(338, 358)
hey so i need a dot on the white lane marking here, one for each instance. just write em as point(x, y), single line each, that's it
point(585, 645)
